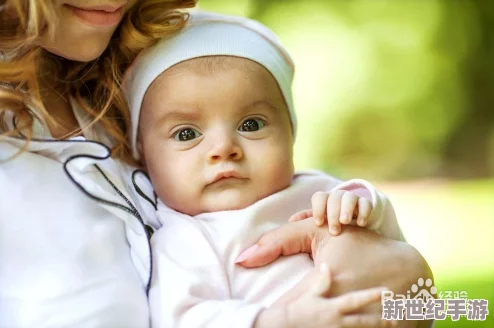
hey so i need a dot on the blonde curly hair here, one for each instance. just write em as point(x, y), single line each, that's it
point(95, 85)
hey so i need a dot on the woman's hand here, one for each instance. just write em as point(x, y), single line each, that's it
point(358, 259)
point(357, 256)
point(313, 310)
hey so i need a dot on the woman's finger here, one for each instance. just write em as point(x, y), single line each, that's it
point(302, 215)
point(357, 300)
point(319, 201)
point(333, 207)
point(366, 321)
point(288, 239)
point(349, 202)
point(323, 284)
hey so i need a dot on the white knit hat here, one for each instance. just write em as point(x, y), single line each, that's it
point(208, 34)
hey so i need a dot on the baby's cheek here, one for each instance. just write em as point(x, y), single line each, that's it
point(162, 180)
point(284, 165)
point(171, 195)
point(279, 176)
point(178, 188)
point(284, 177)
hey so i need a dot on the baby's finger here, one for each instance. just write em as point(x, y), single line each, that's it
point(364, 211)
point(356, 300)
point(319, 201)
point(333, 211)
point(302, 215)
point(348, 205)
point(366, 321)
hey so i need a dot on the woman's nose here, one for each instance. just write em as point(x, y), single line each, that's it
point(225, 148)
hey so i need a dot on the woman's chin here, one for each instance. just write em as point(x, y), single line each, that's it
point(73, 49)
point(83, 56)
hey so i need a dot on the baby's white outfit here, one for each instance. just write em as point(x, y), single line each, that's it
point(196, 282)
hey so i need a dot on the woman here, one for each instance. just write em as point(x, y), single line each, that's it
point(74, 249)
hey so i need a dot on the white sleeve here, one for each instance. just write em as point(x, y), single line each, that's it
point(383, 219)
point(189, 286)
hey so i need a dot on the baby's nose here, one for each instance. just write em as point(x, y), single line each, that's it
point(225, 149)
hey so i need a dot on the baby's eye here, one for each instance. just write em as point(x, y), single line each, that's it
point(186, 134)
point(251, 124)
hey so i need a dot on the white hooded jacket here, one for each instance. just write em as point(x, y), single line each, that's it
point(74, 251)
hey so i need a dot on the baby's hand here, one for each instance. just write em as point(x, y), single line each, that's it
point(339, 207)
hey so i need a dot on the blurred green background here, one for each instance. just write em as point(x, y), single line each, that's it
point(401, 92)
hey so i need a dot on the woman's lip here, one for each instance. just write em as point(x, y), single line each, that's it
point(103, 16)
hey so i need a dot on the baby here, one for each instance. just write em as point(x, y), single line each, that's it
point(214, 125)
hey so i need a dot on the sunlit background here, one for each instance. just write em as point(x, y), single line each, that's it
point(401, 92)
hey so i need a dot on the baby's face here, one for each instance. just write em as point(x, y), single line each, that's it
point(215, 135)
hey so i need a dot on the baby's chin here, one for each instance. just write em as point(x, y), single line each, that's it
point(228, 200)
point(225, 198)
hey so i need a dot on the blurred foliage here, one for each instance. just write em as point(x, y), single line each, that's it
point(387, 89)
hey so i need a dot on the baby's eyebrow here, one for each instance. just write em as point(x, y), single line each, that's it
point(261, 103)
point(178, 115)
